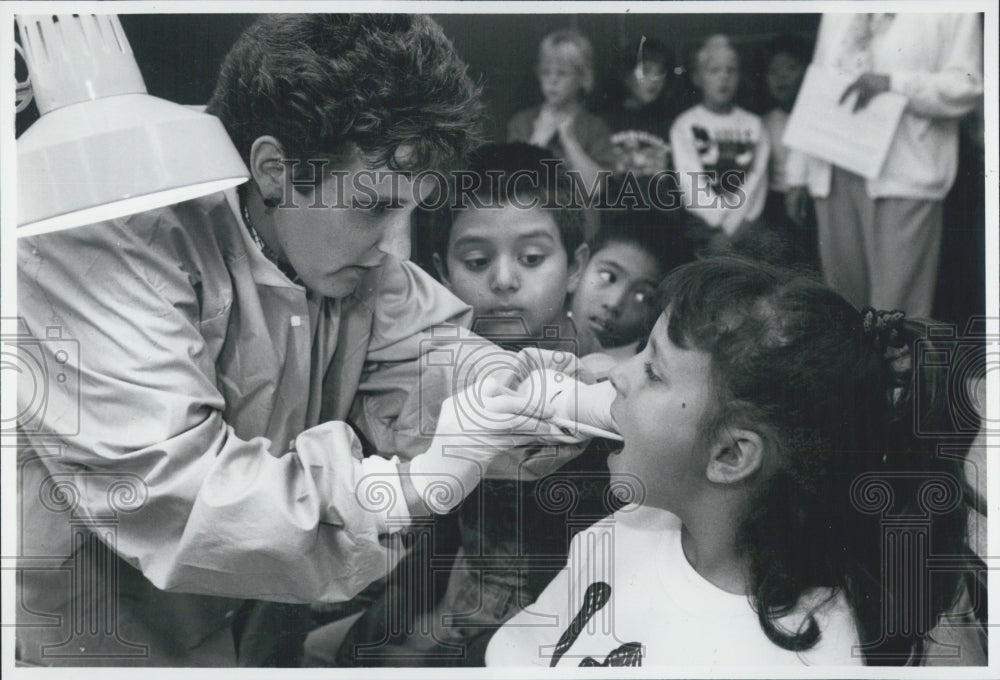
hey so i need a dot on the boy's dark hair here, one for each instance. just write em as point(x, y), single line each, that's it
point(325, 83)
point(794, 45)
point(647, 52)
point(501, 174)
point(648, 230)
point(824, 386)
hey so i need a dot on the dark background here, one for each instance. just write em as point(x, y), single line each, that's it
point(179, 55)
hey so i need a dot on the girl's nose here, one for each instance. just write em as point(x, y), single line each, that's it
point(618, 376)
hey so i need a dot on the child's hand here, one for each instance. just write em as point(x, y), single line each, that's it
point(546, 126)
point(566, 128)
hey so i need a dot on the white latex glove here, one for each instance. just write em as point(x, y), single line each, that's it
point(474, 427)
point(577, 405)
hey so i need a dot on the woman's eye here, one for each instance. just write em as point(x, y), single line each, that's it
point(650, 374)
point(532, 259)
point(606, 276)
point(378, 209)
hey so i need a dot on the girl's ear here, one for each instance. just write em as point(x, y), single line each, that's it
point(576, 266)
point(696, 78)
point(735, 457)
point(267, 168)
point(439, 268)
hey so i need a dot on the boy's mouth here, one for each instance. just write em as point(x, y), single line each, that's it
point(605, 328)
point(506, 312)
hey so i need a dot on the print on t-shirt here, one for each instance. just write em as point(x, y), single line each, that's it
point(597, 595)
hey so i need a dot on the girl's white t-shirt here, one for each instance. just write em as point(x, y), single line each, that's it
point(629, 597)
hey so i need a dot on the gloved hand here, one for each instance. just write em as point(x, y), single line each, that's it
point(475, 426)
point(573, 401)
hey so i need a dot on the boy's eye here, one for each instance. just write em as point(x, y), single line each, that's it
point(650, 374)
point(643, 297)
point(476, 262)
point(532, 259)
point(607, 276)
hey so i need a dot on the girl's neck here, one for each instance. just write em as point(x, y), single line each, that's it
point(710, 549)
point(568, 106)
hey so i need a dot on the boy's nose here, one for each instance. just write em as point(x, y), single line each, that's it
point(504, 276)
point(615, 299)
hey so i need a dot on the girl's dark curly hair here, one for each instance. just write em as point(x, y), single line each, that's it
point(839, 397)
point(323, 84)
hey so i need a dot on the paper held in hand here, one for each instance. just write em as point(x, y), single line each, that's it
point(821, 126)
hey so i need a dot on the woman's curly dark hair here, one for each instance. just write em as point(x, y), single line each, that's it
point(323, 84)
point(841, 407)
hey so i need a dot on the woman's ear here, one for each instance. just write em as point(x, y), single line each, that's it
point(577, 264)
point(735, 457)
point(267, 168)
point(440, 269)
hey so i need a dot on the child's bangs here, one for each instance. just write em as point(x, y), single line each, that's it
point(565, 55)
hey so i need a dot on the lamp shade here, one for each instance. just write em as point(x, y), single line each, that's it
point(103, 147)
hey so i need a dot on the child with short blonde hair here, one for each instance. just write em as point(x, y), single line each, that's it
point(562, 124)
point(720, 150)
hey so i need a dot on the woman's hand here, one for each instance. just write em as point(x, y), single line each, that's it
point(476, 425)
point(868, 86)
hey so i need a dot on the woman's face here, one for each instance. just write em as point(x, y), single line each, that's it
point(664, 393)
point(332, 234)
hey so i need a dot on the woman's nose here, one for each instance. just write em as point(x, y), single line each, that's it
point(395, 239)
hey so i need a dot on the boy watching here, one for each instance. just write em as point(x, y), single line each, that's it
point(514, 251)
point(516, 260)
point(614, 305)
point(720, 150)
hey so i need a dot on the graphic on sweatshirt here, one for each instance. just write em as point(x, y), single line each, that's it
point(639, 152)
point(729, 150)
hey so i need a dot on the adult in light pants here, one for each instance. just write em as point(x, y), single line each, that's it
point(880, 239)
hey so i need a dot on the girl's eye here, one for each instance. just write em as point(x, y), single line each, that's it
point(532, 259)
point(649, 373)
point(607, 276)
